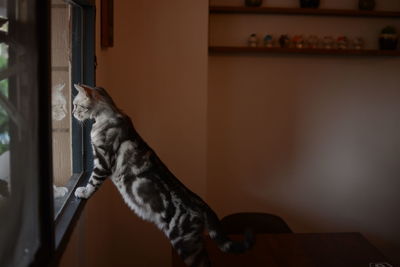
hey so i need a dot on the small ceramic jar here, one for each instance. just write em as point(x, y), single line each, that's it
point(342, 42)
point(253, 40)
point(298, 41)
point(284, 41)
point(358, 43)
point(312, 41)
point(388, 38)
point(328, 42)
point(268, 41)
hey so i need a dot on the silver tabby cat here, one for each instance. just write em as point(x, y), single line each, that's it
point(145, 183)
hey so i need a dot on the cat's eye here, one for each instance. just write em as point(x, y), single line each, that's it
point(80, 107)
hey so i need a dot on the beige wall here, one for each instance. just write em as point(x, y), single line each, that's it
point(311, 138)
point(158, 74)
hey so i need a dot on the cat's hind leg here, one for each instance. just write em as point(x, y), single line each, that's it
point(192, 251)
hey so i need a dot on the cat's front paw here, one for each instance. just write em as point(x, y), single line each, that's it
point(59, 191)
point(82, 192)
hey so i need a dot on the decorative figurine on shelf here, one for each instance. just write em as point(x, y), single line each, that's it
point(312, 41)
point(342, 42)
point(309, 3)
point(253, 3)
point(366, 4)
point(298, 41)
point(328, 42)
point(358, 43)
point(268, 41)
point(388, 38)
point(284, 41)
point(253, 40)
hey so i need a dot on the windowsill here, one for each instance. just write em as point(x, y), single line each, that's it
point(67, 210)
point(61, 202)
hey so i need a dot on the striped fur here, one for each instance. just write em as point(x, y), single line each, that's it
point(145, 183)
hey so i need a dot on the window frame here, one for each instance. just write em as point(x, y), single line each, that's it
point(55, 231)
point(83, 71)
point(30, 29)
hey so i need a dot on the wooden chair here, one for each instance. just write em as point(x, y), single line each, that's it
point(259, 223)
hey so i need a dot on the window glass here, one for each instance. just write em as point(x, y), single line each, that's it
point(25, 164)
point(21, 173)
point(61, 96)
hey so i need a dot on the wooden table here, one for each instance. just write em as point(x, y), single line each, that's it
point(300, 250)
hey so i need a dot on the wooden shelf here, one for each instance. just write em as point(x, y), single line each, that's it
point(305, 51)
point(302, 11)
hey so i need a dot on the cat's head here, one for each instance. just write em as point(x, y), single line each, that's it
point(91, 101)
point(58, 102)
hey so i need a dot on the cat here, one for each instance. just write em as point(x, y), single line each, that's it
point(58, 102)
point(58, 113)
point(145, 183)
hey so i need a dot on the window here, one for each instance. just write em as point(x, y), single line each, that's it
point(72, 28)
point(61, 65)
point(41, 145)
point(21, 134)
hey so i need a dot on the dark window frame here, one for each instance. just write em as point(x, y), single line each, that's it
point(34, 32)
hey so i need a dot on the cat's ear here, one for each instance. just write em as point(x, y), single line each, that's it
point(86, 90)
point(59, 87)
point(79, 88)
point(83, 89)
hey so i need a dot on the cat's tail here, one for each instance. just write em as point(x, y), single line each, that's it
point(223, 241)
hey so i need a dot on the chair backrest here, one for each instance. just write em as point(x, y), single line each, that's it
point(259, 223)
